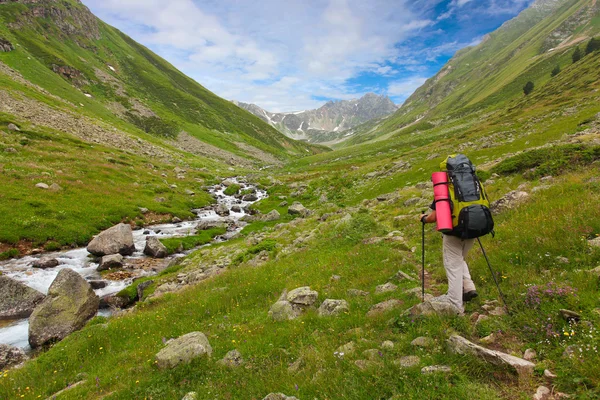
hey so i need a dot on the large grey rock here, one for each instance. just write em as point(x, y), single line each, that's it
point(298, 209)
point(70, 303)
point(10, 356)
point(183, 350)
point(222, 210)
point(204, 225)
point(273, 215)
point(45, 262)
point(17, 300)
point(118, 239)
point(333, 307)
point(283, 311)
point(154, 248)
point(460, 345)
point(303, 296)
point(595, 243)
point(111, 261)
point(434, 306)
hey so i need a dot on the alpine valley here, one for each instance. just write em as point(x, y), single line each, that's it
point(159, 242)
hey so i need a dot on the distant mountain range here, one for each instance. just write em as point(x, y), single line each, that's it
point(328, 122)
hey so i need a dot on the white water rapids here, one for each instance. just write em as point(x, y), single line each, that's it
point(15, 332)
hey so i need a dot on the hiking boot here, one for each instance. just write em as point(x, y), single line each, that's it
point(468, 296)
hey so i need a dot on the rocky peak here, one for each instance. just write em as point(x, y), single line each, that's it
point(71, 17)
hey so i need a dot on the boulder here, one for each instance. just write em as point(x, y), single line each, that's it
point(250, 197)
point(45, 262)
point(594, 243)
point(17, 300)
point(232, 359)
point(282, 311)
point(236, 209)
point(434, 306)
point(303, 296)
point(542, 393)
point(383, 307)
point(70, 303)
point(279, 396)
point(387, 345)
point(298, 209)
point(333, 307)
point(11, 356)
point(356, 293)
point(530, 355)
point(13, 128)
point(183, 350)
point(141, 287)
point(222, 210)
point(508, 201)
point(98, 284)
point(273, 215)
point(204, 225)
point(154, 248)
point(42, 185)
point(118, 239)
point(110, 262)
point(5, 46)
point(347, 349)
point(387, 287)
point(460, 345)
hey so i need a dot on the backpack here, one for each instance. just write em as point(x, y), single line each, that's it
point(471, 216)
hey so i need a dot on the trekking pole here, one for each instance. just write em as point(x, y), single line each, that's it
point(493, 276)
point(423, 259)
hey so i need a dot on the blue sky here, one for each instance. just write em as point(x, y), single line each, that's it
point(296, 54)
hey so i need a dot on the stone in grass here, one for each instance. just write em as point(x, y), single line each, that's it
point(401, 275)
point(298, 209)
point(386, 287)
point(432, 369)
point(183, 350)
point(273, 215)
point(529, 355)
point(332, 307)
point(408, 361)
point(373, 354)
point(190, 396)
point(232, 359)
point(387, 345)
point(282, 311)
point(364, 365)
point(279, 396)
point(42, 185)
point(346, 350)
point(383, 307)
point(570, 316)
point(460, 345)
point(549, 375)
point(356, 293)
point(435, 306)
point(542, 393)
point(10, 356)
point(422, 341)
point(303, 296)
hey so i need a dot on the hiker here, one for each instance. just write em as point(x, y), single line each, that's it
point(464, 216)
point(460, 285)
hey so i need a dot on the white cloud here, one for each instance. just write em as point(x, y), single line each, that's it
point(282, 54)
point(406, 87)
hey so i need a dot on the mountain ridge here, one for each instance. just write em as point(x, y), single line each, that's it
point(327, 122)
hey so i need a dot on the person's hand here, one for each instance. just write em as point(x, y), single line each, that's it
point(422, 218)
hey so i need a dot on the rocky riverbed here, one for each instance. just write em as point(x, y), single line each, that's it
point(229, 209)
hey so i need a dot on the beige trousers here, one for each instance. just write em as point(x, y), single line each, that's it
point(457, 270)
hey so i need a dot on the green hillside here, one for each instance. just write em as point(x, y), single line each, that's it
point(490, 75)
point(72, 82)
point(538, 153)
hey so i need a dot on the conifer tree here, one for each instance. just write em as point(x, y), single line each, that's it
point(593, 45)
point(528, 88)
point(576, 55)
